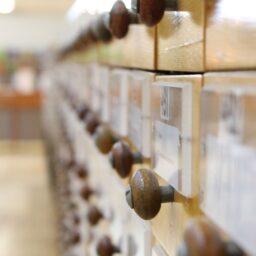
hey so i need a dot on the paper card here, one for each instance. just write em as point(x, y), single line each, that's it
point(228, 160)
point(172, 134)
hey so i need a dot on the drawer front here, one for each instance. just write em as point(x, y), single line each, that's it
point(180, 38)
point(228, 154)
point(119, 95)
point(230, 35)
point(104, 83)
point(139, 122)
point(168, 226)
point(139, 47)
point(95, 85)
point(175, 114)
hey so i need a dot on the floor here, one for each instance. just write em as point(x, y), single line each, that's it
point(27, 219)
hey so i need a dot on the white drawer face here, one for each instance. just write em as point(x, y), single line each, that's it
point(139, 129)
point(174, 105)
point(105, 93)
point(228, 156)
point(95, 85)
point(119, 94)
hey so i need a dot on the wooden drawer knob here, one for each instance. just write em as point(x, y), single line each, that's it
point(122, 158)
point(152, 11)
point(82, 111)
point(76, 219)
point(201, 238)
point(75, 237)
point(86, 192)
point(104, 138)
point(105, 247)
point(145, 196)
point(94, 215)
point(82, 172)
point(92, 122)
point(120, 19)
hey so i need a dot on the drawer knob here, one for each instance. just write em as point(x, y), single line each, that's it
point(120, 18)
point(92, 122)
point(74, 238)
point(86, 192)
point(151, 11)
point(99, 28)
point(76, 219)
point(145, 196)
point(105, 247)
point(82, 172)
point(82, 111)
point(201, 238)
point(104, 138)
point(94, 215)
point(122, 158)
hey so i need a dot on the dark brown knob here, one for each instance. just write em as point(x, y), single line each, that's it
point(105, 247)
point(76, 219)
point(99, 28)
point(92, 122)
point(67, 163)
point(82, 172)
point(201, 238)
point(151, 11)
point(104, 138)
point(82, 111)
point(120, 19)
point(145, 196)
point(94, 215)
point(122, 158)
point(75, 237)
point(86, 192)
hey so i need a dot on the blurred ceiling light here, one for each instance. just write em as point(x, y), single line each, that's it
point(7, 6)
point(80, 7)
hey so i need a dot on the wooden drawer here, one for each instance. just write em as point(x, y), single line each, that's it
point(180, 38)
point(175, 122)
point(139, 47)
point(112, 53)
point(136, 50)
point(175, 103)
point(230, 35)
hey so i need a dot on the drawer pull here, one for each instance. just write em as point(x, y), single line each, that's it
point(94, 215)
point(82, 172)
point(86, 192)
point(104, 139)
point(92, 122)
point(82, 111)
point(145, 196)
point(151, 11)
point(122, 158)
point(201, 238)
point(105, 247)
point(120, 18)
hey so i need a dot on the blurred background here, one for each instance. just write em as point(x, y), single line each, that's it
point(32, 32)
